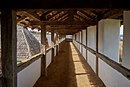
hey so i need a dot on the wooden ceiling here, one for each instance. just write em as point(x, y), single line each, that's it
point(65, 16)
point(65, 21)
point(58, 4)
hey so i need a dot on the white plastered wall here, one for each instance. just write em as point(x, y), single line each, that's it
point(84, 37)
point(84, 42)
point(48, 58)
point(109, 38)
point(111, 77)
point(91, 37)
point(29, 75)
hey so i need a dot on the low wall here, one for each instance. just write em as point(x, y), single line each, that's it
point(29, 75)
point(110, 72)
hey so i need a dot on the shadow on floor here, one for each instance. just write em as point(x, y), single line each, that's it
point(69, 69)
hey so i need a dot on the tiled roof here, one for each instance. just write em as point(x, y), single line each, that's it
point(27, 44)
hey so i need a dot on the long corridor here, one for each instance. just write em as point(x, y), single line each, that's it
point(69, 69)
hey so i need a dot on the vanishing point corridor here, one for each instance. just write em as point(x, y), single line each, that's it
point(69, 69)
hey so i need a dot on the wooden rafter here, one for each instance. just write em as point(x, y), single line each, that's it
point(76, 19)
point(33, 15)
point(60, 16)
point(71, 31)
point(52, 17)
point(81, 17)
point(20, 19)
point(64, 23)
point(51, 13)
point(113, 14)
point(64, 19)
point(47, 12)
point(88, 15)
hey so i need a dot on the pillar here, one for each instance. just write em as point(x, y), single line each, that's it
point(52, 44)
point(97, 48)
point(86, 44)
point(126, 41)
point(9, 47)
point(81, 35)
point(43, 49)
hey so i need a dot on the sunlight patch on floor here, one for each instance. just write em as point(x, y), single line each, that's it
point(80, 72)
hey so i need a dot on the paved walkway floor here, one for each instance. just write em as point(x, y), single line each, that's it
point(69, 69)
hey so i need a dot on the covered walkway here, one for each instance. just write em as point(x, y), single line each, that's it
point(95, 34)
point(69, 69)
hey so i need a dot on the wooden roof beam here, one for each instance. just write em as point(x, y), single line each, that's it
point(49, 18)
point(68, 28)
point(33, 15)
point(71, 14)
point(86, 23)
point(67, 33)
point(43, 17)
point(76, 18)
point(82, 17)
point(61, 16)
point(87, 14)
point(64, 19)
point(22, 18)
point(47, 12)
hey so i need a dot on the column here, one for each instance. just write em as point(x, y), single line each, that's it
point(9, 47)
point(52, 43)
point(97, 48)
point(126, 40)
point(86, 44)
point(81, 42)
point(43, 49)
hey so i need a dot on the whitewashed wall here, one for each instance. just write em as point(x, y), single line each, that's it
point(48, 36)
point(69, 36)
point(91, 60)
point(54, 51)
point(84, 42)
point(28, 76)
point(78, 39)
point(48, 58)
point(91, 37)
point(109, 38)
point(84, 37)
point(111, 77)
point(84, 53)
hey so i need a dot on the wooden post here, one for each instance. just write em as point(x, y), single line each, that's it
point(52, 43)
point(86, 44)
point(57, 44)
point(43, 50)
point(97, 48)
point(9, 47)
point(81, 42)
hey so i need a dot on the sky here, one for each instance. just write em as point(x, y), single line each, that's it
point(121, 30)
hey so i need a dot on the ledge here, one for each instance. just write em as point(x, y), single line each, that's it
point(27, 62)
point(124, 71)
